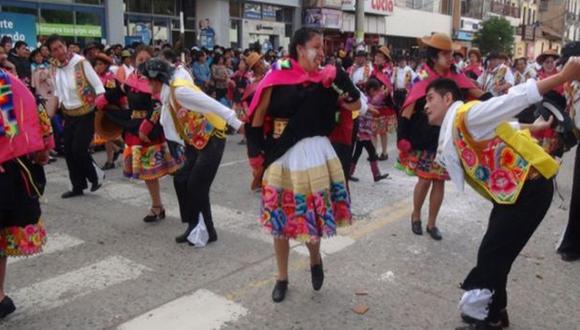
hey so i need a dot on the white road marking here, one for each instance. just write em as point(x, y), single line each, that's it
point(235, 162)
point(65, 288)
point(203, 310)
point(55, 243)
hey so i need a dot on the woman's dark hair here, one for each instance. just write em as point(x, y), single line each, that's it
point(373, 83)
point(144, 48)
point(432, 54)
point(443, 86)
point(54, 38)
point(217, 58)
point(199, 55)
point(518, 60)
point(300, 38)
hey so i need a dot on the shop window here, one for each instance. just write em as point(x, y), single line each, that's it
point(287, 15)
point(288, 31)
point(164, 7)
point(188, 7)
point(235, 9)
point(56, 16)
point(88, 18)
point(20, 10)
point(138, 6)
point(235, 33)
point(270, 13)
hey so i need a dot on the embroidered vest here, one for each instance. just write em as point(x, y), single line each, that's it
point(572, 93)
point(85, 92)
point(498, 168)
point(194, 128)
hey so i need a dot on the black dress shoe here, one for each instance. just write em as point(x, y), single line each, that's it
point(108, 166)
point(569, 257)
point(417, 227)
point(317, 274)
point(279, 292)
point(156, 213)
point(72, 193)
point(183, 237)
point(381, 177)
point(354, 179)
point(434, 233)
point(6, 307)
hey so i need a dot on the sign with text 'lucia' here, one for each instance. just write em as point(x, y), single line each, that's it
point(19, 27)
point(376, 7)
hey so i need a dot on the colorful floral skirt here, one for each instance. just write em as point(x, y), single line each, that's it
point(385, 124)
point(422, 164)
point(149, 162)
point(304, 193)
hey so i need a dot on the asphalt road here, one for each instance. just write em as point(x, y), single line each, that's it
point(104, 268)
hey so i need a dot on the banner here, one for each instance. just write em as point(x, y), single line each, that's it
point(19, 27)
point(70, 30)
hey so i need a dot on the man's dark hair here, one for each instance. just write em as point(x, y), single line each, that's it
point(19, 44)
point(443, 86)
point(54, 38)
point(5, 40)
point(169, 55)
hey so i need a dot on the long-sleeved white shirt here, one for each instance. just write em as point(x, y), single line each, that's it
point(481, 122)
point(196, 101)
point(65, 82)
point(487, 81)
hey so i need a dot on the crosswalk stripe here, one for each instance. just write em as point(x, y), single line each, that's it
point(202, 310)
point(55, 243)
point(65, 288)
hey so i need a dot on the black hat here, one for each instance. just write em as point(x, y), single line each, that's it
point(569, 50)
point(554, 104)
point(158, 69)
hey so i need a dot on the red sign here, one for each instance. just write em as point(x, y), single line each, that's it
point(386, 6)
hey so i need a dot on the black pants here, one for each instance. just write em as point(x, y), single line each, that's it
point(78, 135)
point(399, 97)
point(193, 182)
point(571, 242)
point(510, 227)
point(369, 147)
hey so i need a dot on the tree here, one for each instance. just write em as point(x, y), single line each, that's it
point(496, 34)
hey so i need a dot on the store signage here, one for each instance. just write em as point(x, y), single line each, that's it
point(464, 35)
point(252, 11)
point(70, 30)
point(376, 7)
point(528, 33)
point(19, 27)
point(323, 18)
point(336, 4)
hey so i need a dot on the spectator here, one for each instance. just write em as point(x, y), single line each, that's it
point(200, 70)
point(45, 53)
point(126, 67)
point(219, 77)
point(41, 78)
point(6, 44)
point(20, 57)
point(4, 63)
point(74, 47)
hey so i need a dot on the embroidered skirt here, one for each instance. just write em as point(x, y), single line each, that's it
point(22, 231)
point(422, 164)
point(149, 162)
point(304, 193)
point(385, 123)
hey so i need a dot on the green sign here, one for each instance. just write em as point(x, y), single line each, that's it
point(70, 30)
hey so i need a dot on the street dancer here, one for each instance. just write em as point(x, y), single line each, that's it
point(77, 86)
point(386, 121)
point(304, 194)
point(146, 156)
point(25, 142)
point(192, 118)
point(418, 140)
point(505, 165)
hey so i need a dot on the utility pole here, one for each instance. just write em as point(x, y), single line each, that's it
point(360, 22)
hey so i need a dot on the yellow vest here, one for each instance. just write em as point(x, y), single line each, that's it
point(498, 168)
point(194, 127)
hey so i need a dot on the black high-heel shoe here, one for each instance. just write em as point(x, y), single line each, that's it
point(6, 307)
point(156, 213)
point(280, 290)
point(317, 274)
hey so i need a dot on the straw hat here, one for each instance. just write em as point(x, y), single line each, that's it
point(252, 59)
point(440, 41)
point(548, 53)
point(126, 53)
point(385, 51)
point(105, 127)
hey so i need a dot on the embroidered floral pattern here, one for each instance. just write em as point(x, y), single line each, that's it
point(148, 163)
point(22, 241)
point(422, 164)
point(305, 217)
